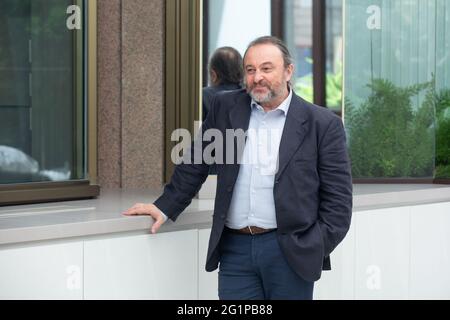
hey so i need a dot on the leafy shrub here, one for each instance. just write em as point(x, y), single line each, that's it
point(387, 137)
point(443, 134)
point(333, 86)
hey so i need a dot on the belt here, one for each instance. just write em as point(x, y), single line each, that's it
point(253, 230)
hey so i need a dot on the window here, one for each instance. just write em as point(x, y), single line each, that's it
point(43, 99)
point(333, 55)
point(382, 65)
point(299, 39)
point(313, 33)
point(397, 88)
point(233, 23)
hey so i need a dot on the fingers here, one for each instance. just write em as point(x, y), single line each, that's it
point(158, 223)
point(151, 210)
point(130, 212)
point(137, 209)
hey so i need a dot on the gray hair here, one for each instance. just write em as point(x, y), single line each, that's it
point(287, 58)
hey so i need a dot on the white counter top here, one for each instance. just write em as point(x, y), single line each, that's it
point(61, 220)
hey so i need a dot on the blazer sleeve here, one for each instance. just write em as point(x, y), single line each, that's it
point(335, 193)
point(188, 176)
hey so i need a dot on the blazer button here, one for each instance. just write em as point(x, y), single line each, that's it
point(223, 216)
point(230, 189)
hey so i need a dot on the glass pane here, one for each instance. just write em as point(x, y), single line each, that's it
point(299, 39)
point(397, 88)
point(229, 23)
point(442, 89)
point(41, 93)
point(334, 51)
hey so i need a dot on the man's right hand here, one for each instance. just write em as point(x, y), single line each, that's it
point(142, 209)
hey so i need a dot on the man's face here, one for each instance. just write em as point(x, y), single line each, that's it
point(266, 76)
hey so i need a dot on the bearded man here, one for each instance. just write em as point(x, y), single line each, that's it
point(276, 220)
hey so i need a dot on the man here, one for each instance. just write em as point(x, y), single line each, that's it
point(273, 230)
point(225, 73)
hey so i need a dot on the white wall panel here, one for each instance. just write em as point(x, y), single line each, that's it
point(42, 272)
point(430, 251)
point(161, 266)
point(207, 281)
point(382, 245)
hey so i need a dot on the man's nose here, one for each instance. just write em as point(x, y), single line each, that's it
point(258, 76)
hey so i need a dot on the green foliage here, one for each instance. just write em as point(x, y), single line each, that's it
point(52, 23)
point(443, 134)
point(387, 136)
point(304, 88)
point(334, 90)
point(333, 86)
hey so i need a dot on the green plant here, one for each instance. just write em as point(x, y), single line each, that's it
point(443, 134)
point(304, 88)
point(333, 86)
point(334, 89)
point(387, 136)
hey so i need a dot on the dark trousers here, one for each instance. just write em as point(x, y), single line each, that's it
point(254, 268)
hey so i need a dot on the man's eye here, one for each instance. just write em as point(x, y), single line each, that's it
point(250, 70)
point(267, 69)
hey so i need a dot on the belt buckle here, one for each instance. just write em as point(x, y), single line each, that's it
point(250, 229)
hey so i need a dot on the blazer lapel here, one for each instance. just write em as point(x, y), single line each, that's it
point(294, 133)
point(239, 116)
point(240, 112)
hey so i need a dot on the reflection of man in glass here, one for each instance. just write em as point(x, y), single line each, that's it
point(225, 73)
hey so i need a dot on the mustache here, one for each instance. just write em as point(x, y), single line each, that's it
point(259, 84)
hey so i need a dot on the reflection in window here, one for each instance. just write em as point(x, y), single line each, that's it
point(299, 38)
point(41, 90)
point(397, 105)
point(334, 51)
point(235, 23)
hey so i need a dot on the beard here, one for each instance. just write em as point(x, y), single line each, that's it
point(261, 98)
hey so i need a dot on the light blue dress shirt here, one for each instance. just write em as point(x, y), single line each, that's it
point(252, 203)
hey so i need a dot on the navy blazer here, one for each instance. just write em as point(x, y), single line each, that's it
point(312, 188)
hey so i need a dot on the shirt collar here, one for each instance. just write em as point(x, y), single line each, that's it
point(284, 106)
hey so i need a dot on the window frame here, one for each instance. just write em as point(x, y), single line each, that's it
point(183, 76)
point(37, 192)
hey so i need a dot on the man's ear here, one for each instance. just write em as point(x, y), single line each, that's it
point(213, 77)
point(290, 72)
